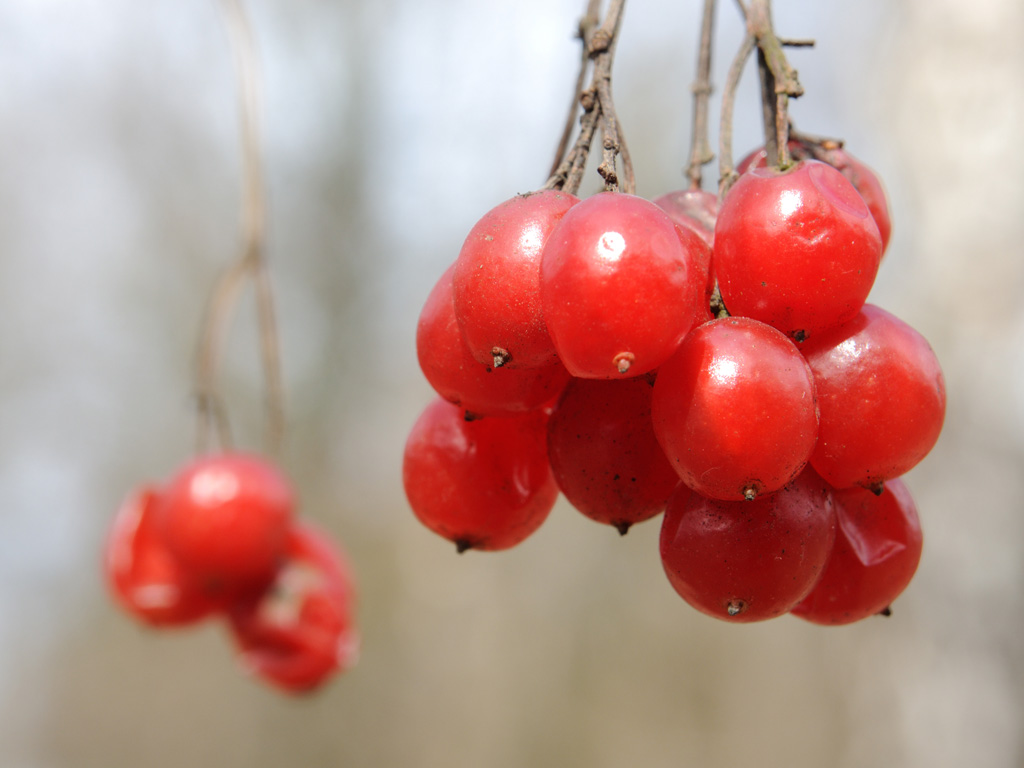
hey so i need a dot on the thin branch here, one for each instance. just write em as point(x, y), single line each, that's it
point(700, 149)
point(779, 87)
point(726, 173)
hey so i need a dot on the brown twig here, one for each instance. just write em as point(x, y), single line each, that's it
point(726, 172)
point(780, 86)
point(700, 148)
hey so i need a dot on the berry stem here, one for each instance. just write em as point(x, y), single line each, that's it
point(250, 263)
point(726, 171)
point(700, 148)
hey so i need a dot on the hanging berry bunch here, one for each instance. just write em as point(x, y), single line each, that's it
point(221, 537)
point(709, 356)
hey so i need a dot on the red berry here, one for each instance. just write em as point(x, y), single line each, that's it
point(603, 452)
point(694, 209)
point(796, 249)
point(496, 284)
point(882, 398)
point(734, 409)
point(877, 549)
point(747, 561)
point(618, 287)
point(302, 630)
point(144, 577)
point(225, 518)
point(483, 484)
point(459, 378)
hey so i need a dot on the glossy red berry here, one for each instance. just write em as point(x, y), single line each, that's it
point(734, 409)
point(695, 209)
point(603, 452)
point(145, 578)
point(745, 561)
point(225, 519)
point(496, 284)
point(618, 287)
point(302, 630)
point(882, 398)
point(458, 377)
point(796, 249)
point(877, 550)
point(483, 484)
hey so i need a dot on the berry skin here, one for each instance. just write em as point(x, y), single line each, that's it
point(225, 519)
point(483, 484)
point(695, 209)
point(496, 284)
point(877, 550)
point(744, 561)
point(302, 630)
point(619, 290)
point(796, 249)
point(882, 398)
point(144, 577)
point(458, 377)
point(734, 409)
point(603, 452)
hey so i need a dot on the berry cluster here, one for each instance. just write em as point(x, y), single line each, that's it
point(582, 346)
point(221, 538)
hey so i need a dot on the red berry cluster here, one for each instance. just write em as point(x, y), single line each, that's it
point(221, 538)
point(575, 346)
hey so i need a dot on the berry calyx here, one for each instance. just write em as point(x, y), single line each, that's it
point(619, 289)
point(796, 249)
point(876, 553)
point(734, 409)
point(225, 519)
point(482, 484)
point(496, 283)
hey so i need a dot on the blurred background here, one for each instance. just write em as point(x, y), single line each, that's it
point(391, 127)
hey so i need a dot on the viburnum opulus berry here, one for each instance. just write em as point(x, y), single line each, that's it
point(876, 552)
point(695, 209)
point(483, 484)
point(882, 398)
point(734, 409)
point(621, 286)
point(747, 561)
point(496, 284)
point(479, 388)
point(603, 452)
point(796, 249)
point(302, 629)
point(145, 578)
point(225, 518)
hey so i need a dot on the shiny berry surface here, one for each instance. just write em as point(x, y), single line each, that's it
point(744, 561)
point(145, 578)
point(458, 377)
point(618, 287)
point(882, 398)
point(695, 209)
point(734, 409)
point(796, 249)
point(302, 630)
point(225, 518)
point(483, 484)
point(496, 284)
point(877, 550)
point(603, 452)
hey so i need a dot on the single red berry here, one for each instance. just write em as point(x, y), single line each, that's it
point(877, 550)
point(694, 209)
point(882, 398)
point(483, 484)
point(619, 289)
point(796, 249)
point(225, 519)
point(302, 630)
point(603, 452)
point(734, 409)
point(496, 284)
point(745, 561)
point(144, 577)
point(458, 377)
